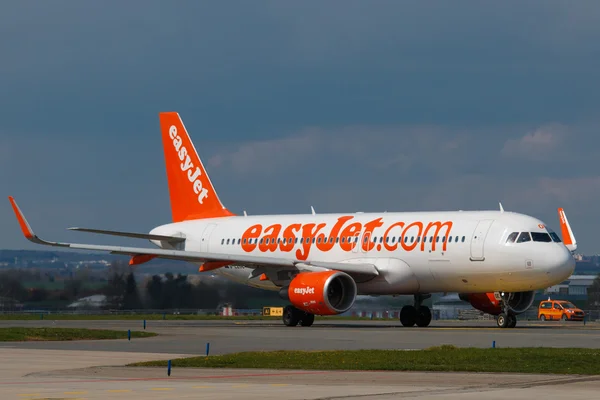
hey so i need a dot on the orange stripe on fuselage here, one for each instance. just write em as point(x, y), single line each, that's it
point(269, 238)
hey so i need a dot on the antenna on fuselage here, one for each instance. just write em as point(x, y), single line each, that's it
point(245, 214)
point(501, 208)
point(312, 210)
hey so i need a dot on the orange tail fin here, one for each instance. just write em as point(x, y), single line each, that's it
point(191, 191)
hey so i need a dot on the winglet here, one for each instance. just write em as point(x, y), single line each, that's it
point(567, 233)
point(25, 227)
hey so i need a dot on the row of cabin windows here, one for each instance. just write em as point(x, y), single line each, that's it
point(523, 237)
point(349, 239)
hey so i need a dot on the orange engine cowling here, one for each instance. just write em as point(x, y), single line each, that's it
point(518, 302)
point(322, 293)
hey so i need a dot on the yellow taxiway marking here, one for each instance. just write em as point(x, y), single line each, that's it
point(29, 394)
point(161, 389)
point(74, 392)
point(119, 391)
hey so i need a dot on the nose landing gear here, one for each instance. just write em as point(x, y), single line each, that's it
point(506, 319)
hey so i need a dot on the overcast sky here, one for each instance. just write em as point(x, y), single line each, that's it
point(343, 105)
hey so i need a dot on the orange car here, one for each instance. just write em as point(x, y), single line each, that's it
point(559, 310)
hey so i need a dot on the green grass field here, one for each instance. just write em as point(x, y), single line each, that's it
point(444, 358)
point(60, 334)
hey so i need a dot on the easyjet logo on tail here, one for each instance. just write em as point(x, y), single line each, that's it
point(187, 166)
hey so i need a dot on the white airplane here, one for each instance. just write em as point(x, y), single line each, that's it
point(496, 260)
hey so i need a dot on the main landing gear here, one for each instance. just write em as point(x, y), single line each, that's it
point(418, 314)
point(293, 316)
point(507, 318)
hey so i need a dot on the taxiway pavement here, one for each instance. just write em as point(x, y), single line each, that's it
point(95, 369)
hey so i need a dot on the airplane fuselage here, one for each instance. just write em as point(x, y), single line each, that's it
point(415, 252)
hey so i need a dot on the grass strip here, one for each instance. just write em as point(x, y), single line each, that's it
point(444, 358)
point(61, 334)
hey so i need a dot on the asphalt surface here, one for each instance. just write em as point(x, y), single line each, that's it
point(191, 337)
point(95, 369)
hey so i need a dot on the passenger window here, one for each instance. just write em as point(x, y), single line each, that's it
point(331, 239)
point(524, 237)
point(512, 237)
point(450, 239)
point(412, 239)
point(541, 237)
point(437, 239)
point(337, 239)
point(430, 239)
point(222, 241)
point(380, 239)
point(227, 241)
point(238, 241)
point(456, 239)
point(394, 239)
point(463, 239)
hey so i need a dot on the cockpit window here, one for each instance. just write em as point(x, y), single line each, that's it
point(512, 237)
point(541, 237)
point(524, 237)
point(554, 236)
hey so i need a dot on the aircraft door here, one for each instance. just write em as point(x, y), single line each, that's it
point(365, 242)
point(357, 243)
point(204, 241)
point(478, 239)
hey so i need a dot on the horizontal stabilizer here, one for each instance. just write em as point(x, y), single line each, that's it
point(171, 239)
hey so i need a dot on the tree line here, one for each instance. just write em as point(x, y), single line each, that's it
point(123, 291)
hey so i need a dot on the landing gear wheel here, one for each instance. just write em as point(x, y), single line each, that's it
point(307, 319)
point(408, 315)
point(502, 320)
point(423, 315)
point(512, 321)
point(291, 316)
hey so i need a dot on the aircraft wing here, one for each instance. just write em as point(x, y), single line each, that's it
point(212, 260)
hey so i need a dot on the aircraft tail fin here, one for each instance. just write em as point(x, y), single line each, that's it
point(191, 192)
point(567, 233)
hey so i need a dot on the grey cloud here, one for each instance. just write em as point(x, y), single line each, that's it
point(538, 145)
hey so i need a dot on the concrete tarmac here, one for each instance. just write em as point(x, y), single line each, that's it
point(95, 369)
point(225, 336)
point(45, 374)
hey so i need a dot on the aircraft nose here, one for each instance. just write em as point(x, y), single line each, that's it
point(562, 264)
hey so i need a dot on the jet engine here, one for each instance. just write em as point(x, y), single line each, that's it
point(321, 293)
point(518, 302)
